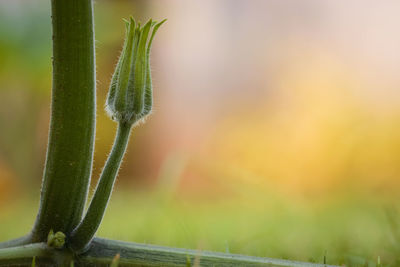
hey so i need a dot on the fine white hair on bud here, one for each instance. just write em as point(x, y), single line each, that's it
point(130, 97)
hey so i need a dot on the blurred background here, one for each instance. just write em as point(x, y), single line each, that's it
point(275, 132)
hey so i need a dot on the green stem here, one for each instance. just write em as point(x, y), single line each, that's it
point(26, 251)
point(72, 127)
point(83, 234)
point(134, 254)
point(44, 256)
point(102, 252)
point(26, 239)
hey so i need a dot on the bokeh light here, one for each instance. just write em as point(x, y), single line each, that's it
point(276, 129)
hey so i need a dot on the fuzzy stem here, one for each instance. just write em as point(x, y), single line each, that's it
point(72, 127)
point(85, 231)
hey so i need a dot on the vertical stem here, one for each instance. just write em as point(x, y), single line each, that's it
point(85, 231)
point(72, 126)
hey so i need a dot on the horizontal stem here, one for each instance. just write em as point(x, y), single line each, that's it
point(102, 251)
point(26, 251)
point(23, 240)
point(45, 256)
point(134, 254)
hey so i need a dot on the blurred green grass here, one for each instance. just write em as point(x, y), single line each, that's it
point(349, 227)
point(351, 230)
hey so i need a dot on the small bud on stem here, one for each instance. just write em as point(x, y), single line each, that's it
point(56, 240)
point(129, 101)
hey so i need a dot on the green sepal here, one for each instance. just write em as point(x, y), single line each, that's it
point(130, 96)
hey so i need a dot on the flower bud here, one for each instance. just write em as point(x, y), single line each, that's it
point(130, 98)
point(55, 240)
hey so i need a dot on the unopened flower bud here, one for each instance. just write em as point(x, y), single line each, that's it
point(55, 240)
point(130, 98)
